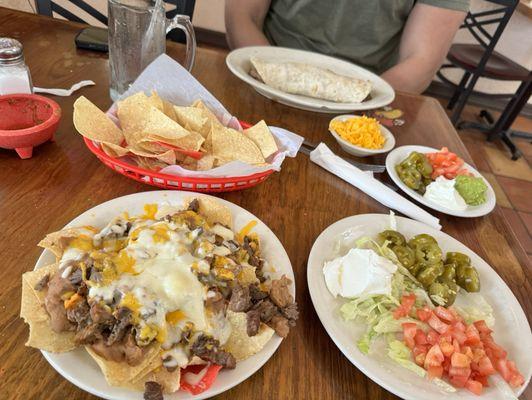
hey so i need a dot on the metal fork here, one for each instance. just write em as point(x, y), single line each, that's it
point(307, 147)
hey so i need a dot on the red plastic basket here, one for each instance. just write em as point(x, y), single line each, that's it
point(176, 182)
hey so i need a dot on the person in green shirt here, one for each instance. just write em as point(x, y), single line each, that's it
point(405, 41)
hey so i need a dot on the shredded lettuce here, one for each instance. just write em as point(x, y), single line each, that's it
point(474, 307)
point(402, 355)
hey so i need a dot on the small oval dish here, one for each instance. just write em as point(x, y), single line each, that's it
point(359, 151)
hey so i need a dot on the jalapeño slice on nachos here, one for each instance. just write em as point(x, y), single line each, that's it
point(151, 295)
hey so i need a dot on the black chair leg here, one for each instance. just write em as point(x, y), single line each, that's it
point(516, 153)
point(458, 91)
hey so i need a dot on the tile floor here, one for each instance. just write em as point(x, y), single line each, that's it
point(511, 180)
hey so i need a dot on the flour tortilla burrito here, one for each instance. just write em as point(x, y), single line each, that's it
point(311, 81)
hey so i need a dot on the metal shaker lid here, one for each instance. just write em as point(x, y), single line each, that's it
point(10, 49)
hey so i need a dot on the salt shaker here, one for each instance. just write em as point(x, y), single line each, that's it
point(14, 73)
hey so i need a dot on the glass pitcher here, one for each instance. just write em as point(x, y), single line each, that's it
point(133, 44)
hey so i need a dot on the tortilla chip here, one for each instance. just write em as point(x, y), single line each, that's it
point(162, 105)
point(229, 145)
point(193, 119)
point(207, 113)
point(130, 113)
point(92, 123)
point(150, 163)
point(192, 141)
point(57, 242)
point(263, 138)
point(113, 150)
point(205, 163)
point(32, 310)
point(207, 144)
point(167, 157)
point(124, 375)
point(213, 211)
point(170, 381)
point(239, 344)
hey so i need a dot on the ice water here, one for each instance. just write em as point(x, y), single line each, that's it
point(128, 23)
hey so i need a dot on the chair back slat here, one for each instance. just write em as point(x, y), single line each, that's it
point(64, 13)
point(90, 10)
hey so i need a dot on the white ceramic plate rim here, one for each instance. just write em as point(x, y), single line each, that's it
point(388, 136)
point(400, 153)
point(382, 93)
point(384, 371)
point(91, 380)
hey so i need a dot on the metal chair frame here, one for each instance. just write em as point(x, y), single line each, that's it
point(475, 24)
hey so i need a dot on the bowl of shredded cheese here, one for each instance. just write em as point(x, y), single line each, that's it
point(360, 135)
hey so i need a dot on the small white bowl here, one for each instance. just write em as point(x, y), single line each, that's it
point(389, 140)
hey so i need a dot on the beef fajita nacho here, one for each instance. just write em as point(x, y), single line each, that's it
point(152, 295)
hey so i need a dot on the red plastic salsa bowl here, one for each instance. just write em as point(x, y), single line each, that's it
point(26, 121)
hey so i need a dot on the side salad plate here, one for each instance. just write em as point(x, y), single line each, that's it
point(417, 311)
point(441, 180)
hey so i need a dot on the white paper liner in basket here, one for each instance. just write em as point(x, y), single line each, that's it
point(174, 83)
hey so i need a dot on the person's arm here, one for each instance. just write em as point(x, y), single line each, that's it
point(243, 22)
point(426, 39)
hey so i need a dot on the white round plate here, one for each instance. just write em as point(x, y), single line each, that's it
point(80, 369)
point(400, 153)
point(238, 62)
point(389, 140)
point(511, 328)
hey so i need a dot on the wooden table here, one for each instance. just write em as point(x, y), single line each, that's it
point(63, 179)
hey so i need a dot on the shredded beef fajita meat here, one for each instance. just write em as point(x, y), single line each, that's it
point(240, 299)
point(266, 310)
point(153, 391)
point(291, 313)
point(126, 350)
point(253, 322)
point(256, 293)
point(194, 205)
point(119, 330)
point(215, 302)
point(208, 349)
point(280, 292)
point(280, 325)
point(76, 277)
point(43, 282)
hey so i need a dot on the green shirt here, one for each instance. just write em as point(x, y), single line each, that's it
point(366, 32)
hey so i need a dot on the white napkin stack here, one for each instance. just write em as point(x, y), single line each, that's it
point(325, 158)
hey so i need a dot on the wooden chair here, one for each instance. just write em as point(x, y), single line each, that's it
point(49, 8)
point(481, 60)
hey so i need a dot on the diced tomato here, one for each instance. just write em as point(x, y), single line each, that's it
point(205, 382)
point(485, 367)
point(420, 359)
point(458, 381)
point(459, 336)
point(424, 314)
point(444, 314)
point(482, 327)
point(434, 357)
point(467, 351)
point(473, 337)
point(496, 350)
point(407, 301)
point(433, 337)
point(455, 314)
point(446, 163)
point(501, 365)
point(418, 349)
point(436, 324)
point(409, 332)
point(456, 345)
point(479, 377)
point(435, 372)
point(421, 337)
point(460, 360)
point(459, 326)
point(516, 380)
point(457, 371)
point(446, 347)
point(474, 387)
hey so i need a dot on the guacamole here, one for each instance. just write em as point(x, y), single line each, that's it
point(473, 190)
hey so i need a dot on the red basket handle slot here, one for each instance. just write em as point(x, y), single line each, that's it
point(191, 153)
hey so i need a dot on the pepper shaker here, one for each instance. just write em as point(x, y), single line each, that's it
point(14, 73)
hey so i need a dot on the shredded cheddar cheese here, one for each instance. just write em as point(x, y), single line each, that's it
point(361, 131)
point(245, 230)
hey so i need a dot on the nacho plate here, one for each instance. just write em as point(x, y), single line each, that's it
point(79, 368)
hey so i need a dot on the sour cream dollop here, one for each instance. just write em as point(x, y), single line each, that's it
point(359, 272)
point(442, 192)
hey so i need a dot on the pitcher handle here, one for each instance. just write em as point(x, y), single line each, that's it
point(183, 22)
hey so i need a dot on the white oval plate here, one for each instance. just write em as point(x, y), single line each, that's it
point(400, 153)
point(80, 369)
point(511, 328)
point(238, 62)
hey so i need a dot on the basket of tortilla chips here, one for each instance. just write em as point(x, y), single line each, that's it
point(154, 298)
point(152, 134)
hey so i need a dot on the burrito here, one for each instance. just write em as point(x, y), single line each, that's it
point(309, 80)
